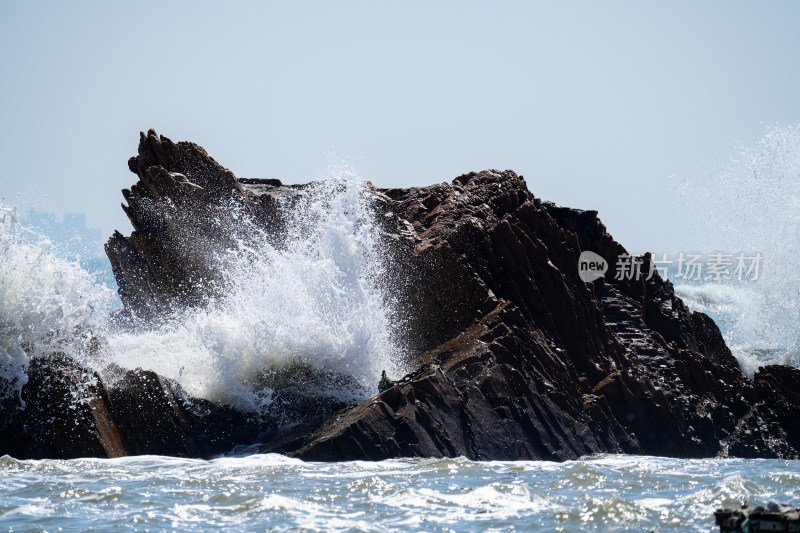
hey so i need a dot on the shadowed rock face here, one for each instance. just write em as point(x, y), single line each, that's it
point(539, 364)
point(513, 356)
point(70, 412)
point(182, 210)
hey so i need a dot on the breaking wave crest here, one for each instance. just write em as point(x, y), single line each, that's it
point(307, 305)
point(752, 204)
point(308, 302)
point(47, 304)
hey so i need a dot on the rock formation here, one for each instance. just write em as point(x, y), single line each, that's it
point(68, 411)
point(513, 355)
point(525, 360)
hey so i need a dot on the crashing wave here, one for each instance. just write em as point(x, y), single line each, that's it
point(299, 318)
point(47, 304)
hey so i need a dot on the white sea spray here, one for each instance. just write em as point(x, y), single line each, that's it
point(752, 205)
point(310, 300)
point(47, 304)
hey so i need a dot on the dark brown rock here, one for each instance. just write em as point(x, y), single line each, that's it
point(512, 355)
point(62, 412)
point(544, 365)
point(70, 411)
point(181, 209)
point(156, 417)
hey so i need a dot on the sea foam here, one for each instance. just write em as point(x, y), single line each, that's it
point(310, 301)
point(47, 304)
point(752, 205)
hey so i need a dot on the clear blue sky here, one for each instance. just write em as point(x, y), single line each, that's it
point(596, 103)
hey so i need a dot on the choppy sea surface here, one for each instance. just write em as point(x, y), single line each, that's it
point(275, 493)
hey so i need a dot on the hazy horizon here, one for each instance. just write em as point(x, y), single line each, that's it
point(597, 105)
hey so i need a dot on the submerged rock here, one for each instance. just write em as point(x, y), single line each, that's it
point(512, 354)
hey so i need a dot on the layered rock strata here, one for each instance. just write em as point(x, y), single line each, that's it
point(512, 355)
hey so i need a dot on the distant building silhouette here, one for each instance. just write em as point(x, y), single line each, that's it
point(68, 233)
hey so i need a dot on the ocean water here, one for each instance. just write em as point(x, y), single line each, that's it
point(735, 308)
point(320, 299)
point(274, 493)
point(751, 204)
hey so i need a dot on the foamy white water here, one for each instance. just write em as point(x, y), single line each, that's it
point(732, 307)
point(274, 493)
point(47, 304)
point(310, 301)
point(752, 204)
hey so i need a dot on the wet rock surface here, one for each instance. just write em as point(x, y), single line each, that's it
point(543, 365)
point(513, 356)
point(66, 411)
